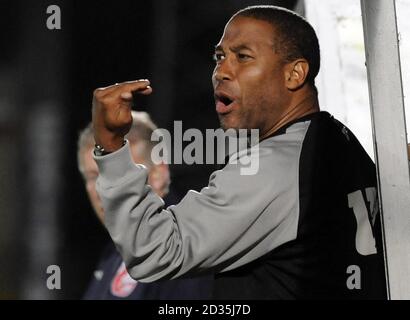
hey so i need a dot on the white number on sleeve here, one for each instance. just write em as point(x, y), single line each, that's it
point(365, 242)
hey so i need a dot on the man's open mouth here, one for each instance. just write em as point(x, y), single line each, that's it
point(225, 100)
point(223, 103)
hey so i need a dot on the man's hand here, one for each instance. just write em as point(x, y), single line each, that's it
point(112, 117)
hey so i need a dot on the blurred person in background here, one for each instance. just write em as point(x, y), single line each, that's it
point(111, 280)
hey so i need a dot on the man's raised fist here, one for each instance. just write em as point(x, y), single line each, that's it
point(112, 117)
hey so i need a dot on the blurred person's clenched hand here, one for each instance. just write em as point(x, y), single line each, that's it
point(112, 117)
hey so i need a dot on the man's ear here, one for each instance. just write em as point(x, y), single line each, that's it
point(296, 74)
point(159, 179)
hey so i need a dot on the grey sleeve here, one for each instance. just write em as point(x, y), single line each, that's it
point(234, 220)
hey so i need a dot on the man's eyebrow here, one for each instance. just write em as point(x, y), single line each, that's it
point(237, 48)
point(218, 47)
point(240, 47)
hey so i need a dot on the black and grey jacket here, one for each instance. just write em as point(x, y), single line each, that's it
point(305, 225)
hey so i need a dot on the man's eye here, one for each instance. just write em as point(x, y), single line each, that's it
point(242, 56)
point(218, 56)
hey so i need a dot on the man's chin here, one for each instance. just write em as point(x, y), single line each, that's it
point(226, 123)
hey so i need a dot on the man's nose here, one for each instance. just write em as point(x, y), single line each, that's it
point(223, 71)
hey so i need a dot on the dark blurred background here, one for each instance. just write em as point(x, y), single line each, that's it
point(46, 82)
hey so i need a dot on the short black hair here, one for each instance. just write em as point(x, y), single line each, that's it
point(295, 37)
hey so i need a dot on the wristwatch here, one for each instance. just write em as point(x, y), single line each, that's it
point(100, 151)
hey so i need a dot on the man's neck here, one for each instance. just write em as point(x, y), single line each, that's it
point(307, 105)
